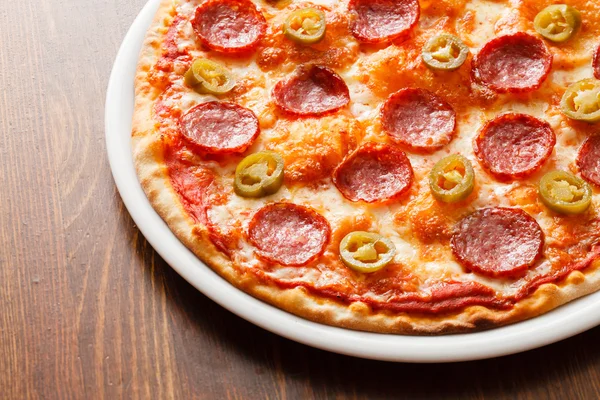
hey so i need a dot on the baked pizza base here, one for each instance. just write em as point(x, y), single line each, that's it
point(148, 158)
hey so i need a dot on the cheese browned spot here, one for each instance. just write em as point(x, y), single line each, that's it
point(313, 147)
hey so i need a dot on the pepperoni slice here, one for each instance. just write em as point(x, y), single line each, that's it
point(374, 172)
point(513, 63)
point(219, 127)
point(514, 145)
point(375, 21)
point(289, 234)
point(229, 26)
point(596, 63)
point(498, 241)
point(311, 90)
point(588, 160)
point(418, 119)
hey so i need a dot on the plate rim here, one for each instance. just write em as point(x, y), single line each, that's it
point(566, 321)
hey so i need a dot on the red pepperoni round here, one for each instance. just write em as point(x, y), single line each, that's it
point(418, 119)
point(311, 90)
point(374, 172)
point(498, 241)
point(289, 234)
point(229, 26)
point(219, 127)
point(376, 21)
point(588, 160)
point(513, 63)
point(596, 63)
point(514, 145)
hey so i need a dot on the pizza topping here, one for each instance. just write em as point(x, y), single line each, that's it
point(558, 22)
point(375, 21)
point(207, 76)
point(311, 90)
point(445, 52)
point(305, 26)
point(374, 172)
point(366, 251)
point(581, 101)
point(229, 26)
point(513, 63)
point(588, 160)
point(452, 179)
point(194, 184)
point(289, 234)
point(259, 174)
point(498, 241)
point(514, 145)
point(565, 193)
point(596, 63)
point(418, 119)
point(219, 127)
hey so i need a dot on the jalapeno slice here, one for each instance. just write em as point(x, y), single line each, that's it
point(260, 174)
point(581, 101)
point(558, 22)
point(452, 179)
point(305, 26)
point(366, 251)
point(207, 76)
point(445, 52)
point(565, 193)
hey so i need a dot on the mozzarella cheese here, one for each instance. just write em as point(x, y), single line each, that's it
point(481, 21)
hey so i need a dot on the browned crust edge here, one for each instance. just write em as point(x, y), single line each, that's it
point(153, 176)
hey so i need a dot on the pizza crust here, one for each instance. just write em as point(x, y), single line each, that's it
point(153, 176)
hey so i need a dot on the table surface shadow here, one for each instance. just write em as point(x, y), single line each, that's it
point(88, 309)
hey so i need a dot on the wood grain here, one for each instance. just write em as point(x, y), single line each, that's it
point(87, 308)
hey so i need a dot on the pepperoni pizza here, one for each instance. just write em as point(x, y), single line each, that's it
point(406, 166)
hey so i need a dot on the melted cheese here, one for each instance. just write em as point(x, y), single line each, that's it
point(485, 15)
point(479, 21)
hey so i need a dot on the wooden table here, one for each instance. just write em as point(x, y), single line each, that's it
point(87, 308)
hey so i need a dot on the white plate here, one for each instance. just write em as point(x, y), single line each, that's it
point(559, 324)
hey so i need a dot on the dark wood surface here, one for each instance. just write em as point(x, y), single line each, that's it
point(87, 308)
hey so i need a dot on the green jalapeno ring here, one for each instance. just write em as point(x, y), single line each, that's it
point(366, 251)
point(305, 26)
point(581, 101)
point(207, 76)
point(260, 174)
point(452, 179)
point(565, 193)
point(557, 22)
point(445, 52)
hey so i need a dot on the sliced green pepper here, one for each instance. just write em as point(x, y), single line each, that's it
point(207, 76)
point(445, 52)
point(452, 179)
point(565, 193)
point(366, 251)
point(305, 26)
point(260, 174)
point(557, 22)
point(581, 101)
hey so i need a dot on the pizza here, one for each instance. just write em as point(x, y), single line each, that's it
point(396, 166)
